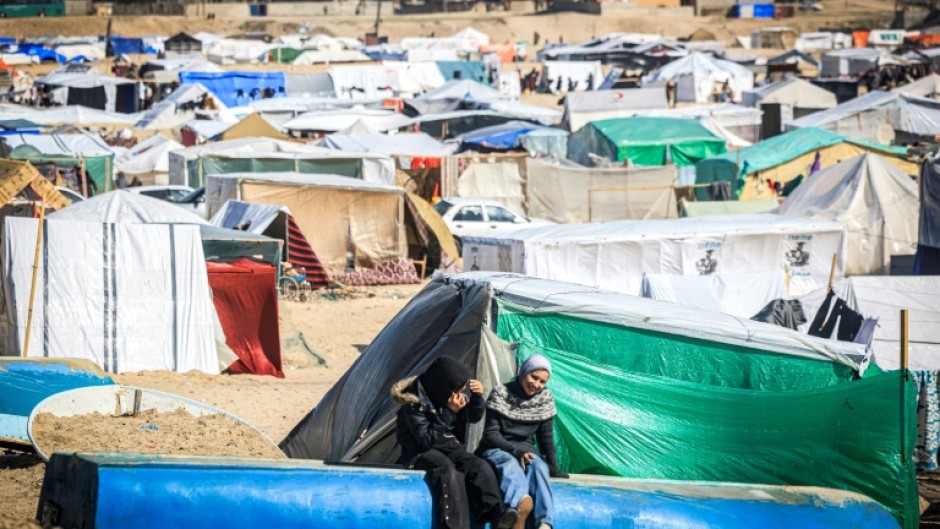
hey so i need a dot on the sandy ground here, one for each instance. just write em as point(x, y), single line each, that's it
point(337, 330)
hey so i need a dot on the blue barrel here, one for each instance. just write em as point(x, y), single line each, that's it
point(111, 491)
point(25, 382)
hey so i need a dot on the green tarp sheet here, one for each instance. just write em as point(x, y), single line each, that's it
point(734, 166)
point(644, 404)
point(284, 55)
point(646, 141)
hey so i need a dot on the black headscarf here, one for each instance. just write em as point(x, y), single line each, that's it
point(443, 377)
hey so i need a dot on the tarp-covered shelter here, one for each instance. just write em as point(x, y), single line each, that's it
point(463, 89)
point(572, 76)
point(181, 43)
point(697, 75)
point(645, 141)
point(361, 82)
point(505, 136)
point(190, 166)
point(337, 214)
point(308, 57)
point(236, 88)
point(689, 208)
point(928, 86)
point(684, 368)
point(801, 96)
point(379, 120)
point(463, 71)
point(92, 90)
point(276, 222)
point(72, 115)
point(583, 107)
point(565, 193)
point(615, 255)
point(416, 144)
point(783, 158)
point(115, 318)
point(309, 84)
point(72, 152)
point(149, 160)
point(741, 295)
point(850, 62)
point(876, 202)
point(877, 116)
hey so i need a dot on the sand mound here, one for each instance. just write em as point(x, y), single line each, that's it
point(150, 432)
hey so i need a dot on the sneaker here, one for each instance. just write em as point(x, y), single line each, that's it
point(507, 519)
point(524, 508)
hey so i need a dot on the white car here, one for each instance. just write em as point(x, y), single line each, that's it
point(70, 195)
point(478, 217)
point(170, 193)
point(195, 202)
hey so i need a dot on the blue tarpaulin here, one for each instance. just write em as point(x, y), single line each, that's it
point(471, 70)
point(501, 137)
point(127, 46)
point(44, 54)
point(226, 85)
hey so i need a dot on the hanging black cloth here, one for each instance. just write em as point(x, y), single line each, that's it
point(94, 97)
point(825, 323)
point(783, 312)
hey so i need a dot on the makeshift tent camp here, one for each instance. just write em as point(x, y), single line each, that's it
point(877, 116)
point(52, 152)
point(783, 158)
point(875, 201)
point(927, 261)
point(504, 137)
point(645, 141)
point(615, 255)
point(568, 194)
point(741, 295)
point(227, 85)
point(735, 124)
point(336, 213)
point(253, 126)
point(666, 371)
point(463, 89)
point(697, 75)
point(453, 124)
point(177, 108)
point(801, 96)
point(572, 76)
point(582, 108)
point(276, 222)
point(190, 166)
point(149, 160)
point(116, 319)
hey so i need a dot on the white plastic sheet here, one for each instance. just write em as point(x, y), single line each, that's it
point(742, 295)
point(129, 297)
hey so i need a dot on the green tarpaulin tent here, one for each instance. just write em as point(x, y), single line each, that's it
point(285, 55)
point(645, 141)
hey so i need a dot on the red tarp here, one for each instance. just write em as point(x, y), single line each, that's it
point(245, 296)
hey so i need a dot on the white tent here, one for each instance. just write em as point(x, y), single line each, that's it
point(582, 108)
point(463, 89)
point(309, 57)
point(414, 77)
point(587, 75)
point(877, 203)
point(70, 115)
point(883, 297)
point(849, 63)
point(928, 86)
point(361, 82)
point(61, 144)
point(471, 37)
point(615, 255)
point(170, 112)
point(236, 51)
point(150, 159)
point(697, 74)
point(61, 83)
point(794, 92)
point(129, 297)
point(876, 115)
point(122, 206)
point(742, 295)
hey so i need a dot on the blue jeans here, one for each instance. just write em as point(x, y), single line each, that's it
point(516, 483)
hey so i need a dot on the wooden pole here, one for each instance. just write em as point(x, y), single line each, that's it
point(903, 381)
point(832, 270)
point(32, 288)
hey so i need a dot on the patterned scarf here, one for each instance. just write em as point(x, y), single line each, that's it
point(537, 408)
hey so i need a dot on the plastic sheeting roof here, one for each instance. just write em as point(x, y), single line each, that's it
point(234, 213)
point(607, 100)
point(876, 202)
point(250, 147)
point(463, 89)
point(312, 180)
point(72, 115)
point(411, 144)
point(779, 149)
point(740, 295)
point(621, 309)
point(82, 80)
point(793, 91)
point(207, 129)
point(149, 156)
point(330, 56)
point(125, 207)
point(697, 64)
point(923, 87)
point(916, 115)
point(61, 144)
point(336, 120)
point(506, 135)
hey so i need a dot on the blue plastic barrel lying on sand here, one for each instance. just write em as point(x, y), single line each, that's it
point(111, 491)
point(25, 382)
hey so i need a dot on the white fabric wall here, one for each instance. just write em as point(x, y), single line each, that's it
point(742, 295)
point(129, 297)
